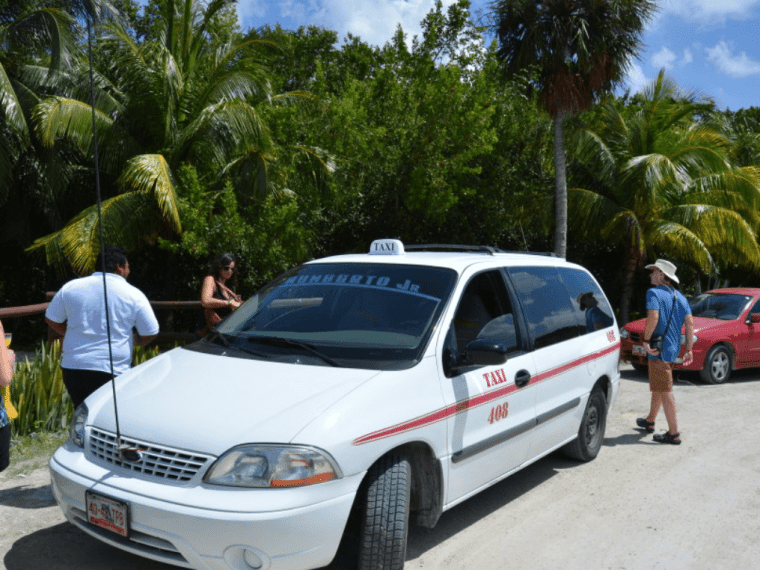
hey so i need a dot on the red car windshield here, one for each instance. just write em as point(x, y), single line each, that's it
point(723, 306)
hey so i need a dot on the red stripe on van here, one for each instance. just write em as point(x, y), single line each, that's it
point(475, 401)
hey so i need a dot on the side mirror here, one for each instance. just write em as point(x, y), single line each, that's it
point(754, 318)
point(486, 352)
point(479, 352)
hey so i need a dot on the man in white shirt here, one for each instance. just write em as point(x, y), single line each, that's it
point(77, 312)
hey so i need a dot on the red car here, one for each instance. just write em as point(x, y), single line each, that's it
point(727, 331)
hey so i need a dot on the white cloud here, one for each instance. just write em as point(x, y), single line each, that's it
point(635, 80)
point(687, 57)
point(375, 21)
point(733, 65)
point(710, 11)
point(250, 11)
point(664, 58)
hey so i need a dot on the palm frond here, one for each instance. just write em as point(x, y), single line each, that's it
point(58, 117)
point(10, 107)
point(670, 239)
point(150, 174)
point(720, 230)
point(127, 219)
point(589, 212)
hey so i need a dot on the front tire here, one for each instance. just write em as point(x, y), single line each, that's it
point(591, 433)
point(384, 524)
point(717, 368)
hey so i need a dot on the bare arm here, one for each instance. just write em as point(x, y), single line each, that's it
point(652, 317)
point(7, 360)
point(144, 340)
point(687, 354)
point(207, 296)
point(58, 328)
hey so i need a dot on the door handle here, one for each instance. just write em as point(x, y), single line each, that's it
point(522, 378)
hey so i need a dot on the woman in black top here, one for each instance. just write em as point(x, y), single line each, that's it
point(217, 298)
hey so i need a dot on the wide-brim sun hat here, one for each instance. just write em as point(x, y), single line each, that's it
point(666, 267)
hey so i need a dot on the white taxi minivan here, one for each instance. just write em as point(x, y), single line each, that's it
point(353, 394)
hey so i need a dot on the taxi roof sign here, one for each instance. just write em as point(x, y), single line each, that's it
point(386, 247)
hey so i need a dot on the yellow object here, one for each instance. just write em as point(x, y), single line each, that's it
point(12, 413)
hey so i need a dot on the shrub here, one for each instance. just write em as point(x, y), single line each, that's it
point(38, 392)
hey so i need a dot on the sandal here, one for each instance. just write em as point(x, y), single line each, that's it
point(667, 437)
point(643, 423)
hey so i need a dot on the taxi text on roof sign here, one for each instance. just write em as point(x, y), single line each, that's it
point(386, 247)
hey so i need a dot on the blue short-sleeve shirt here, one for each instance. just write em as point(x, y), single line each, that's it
point(660, 299)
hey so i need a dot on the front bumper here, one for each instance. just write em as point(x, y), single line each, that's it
point(286, 529)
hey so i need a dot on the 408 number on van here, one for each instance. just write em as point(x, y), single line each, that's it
point(498, 413)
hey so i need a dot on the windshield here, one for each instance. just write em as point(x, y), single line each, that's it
point(365, 315)
point(721, 306)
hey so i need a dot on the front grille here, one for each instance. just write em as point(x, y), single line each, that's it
point(157, 461)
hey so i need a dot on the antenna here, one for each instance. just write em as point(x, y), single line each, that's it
point(122, 448)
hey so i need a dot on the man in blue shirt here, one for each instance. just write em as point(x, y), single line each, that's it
point(667, 312)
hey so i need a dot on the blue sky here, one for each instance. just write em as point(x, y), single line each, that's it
point(708, 46)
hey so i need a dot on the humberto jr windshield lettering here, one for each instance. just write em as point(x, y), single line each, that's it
point(362, 312)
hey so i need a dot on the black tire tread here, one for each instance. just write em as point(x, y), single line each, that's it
point(385, 521)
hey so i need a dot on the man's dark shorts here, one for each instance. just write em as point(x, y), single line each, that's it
point(82, 383)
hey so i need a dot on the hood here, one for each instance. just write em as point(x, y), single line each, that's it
point(209, 403)
point(700, 324)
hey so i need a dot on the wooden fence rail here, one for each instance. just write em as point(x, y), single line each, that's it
point(31, 310)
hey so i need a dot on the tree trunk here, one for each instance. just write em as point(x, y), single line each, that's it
point(560, 189)
point(627, 292)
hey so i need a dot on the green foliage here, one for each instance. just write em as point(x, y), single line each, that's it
point(265, 234)
point(193, 91)
point(660, 182)
point(39, 394)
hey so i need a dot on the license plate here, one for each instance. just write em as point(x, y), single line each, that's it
point(639, 349)
point(107, 513)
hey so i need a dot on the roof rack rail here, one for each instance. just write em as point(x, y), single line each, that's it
point(452, 247)
point(490, 250)
point(545, 253)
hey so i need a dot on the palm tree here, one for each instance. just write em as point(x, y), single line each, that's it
point(36, 41)
point(577, 49)
point(176, 99)
point(661, 183)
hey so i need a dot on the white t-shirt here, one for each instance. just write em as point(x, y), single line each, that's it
point(79, 303)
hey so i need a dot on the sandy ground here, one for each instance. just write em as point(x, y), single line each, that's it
point(639, 505)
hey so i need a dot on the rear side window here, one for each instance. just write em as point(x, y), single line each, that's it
point(588, 299)
point(548, 307)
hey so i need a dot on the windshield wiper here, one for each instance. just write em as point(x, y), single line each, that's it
point(216, 335)
point(280, 341)
point(224, 339)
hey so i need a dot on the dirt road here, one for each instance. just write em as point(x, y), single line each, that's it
point(639, 505)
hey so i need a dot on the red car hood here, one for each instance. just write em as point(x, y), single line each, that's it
point(702, 324)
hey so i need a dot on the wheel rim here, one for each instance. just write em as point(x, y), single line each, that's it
point(719, 366)
point(592, 426)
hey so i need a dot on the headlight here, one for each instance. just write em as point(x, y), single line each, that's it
point(272, 466)
point(76, 429)
point(623, 333)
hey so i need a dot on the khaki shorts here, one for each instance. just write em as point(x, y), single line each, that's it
point(660, 376)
